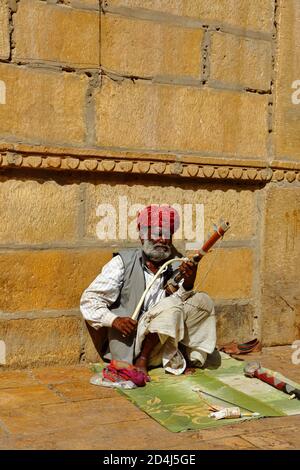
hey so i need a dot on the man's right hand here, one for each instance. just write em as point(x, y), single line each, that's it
point(125, 325)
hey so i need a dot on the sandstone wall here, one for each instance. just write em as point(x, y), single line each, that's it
point(163, 101)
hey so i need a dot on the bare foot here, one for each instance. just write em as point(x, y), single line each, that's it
point(189, 371)
point(141, 363)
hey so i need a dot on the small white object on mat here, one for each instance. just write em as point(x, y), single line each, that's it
point(98, 380)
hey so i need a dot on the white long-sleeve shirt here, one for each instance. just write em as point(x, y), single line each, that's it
point(105, 290)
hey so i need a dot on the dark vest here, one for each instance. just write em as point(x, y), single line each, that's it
point(131, 291)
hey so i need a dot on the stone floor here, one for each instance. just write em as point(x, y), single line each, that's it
point(57, 408)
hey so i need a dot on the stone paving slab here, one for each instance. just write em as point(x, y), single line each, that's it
point(57, 375)
point(69, 415)
point(227, 443)
point(23, 397)
point(271, 439)
point(10, 379)
point(57, 408)
point(82, 390)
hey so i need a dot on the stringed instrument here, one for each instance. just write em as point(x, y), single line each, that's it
point(172, 284)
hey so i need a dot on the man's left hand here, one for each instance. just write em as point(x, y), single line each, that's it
point(189, 271)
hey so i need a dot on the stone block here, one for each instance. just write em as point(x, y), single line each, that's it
point(272, 440)
point(15, 379)
point(234, 323)
point(93, 343)
point(164, 117)
point(287, 89)
point(78, 391)
point(119, 202)
point(257, 16)
point(31, 342)
point(241, 61)
point(66, 417)
point(280, 268)
point(226, 273)
point(4, 30)
point(92, 4)
point(89, 4)
point(61, 374)
point(23, 396)
point(58, 34)
point(146, 48)
point(38, 212)
point(55, 112)
point(47, 279)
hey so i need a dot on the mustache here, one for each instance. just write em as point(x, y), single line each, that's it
point(156, 251)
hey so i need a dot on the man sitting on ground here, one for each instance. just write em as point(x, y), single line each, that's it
point(166, 326)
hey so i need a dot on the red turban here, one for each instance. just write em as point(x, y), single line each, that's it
point(163, 216)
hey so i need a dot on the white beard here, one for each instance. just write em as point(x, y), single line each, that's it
point(156, 251)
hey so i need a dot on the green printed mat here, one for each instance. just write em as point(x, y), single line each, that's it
point(171, 401)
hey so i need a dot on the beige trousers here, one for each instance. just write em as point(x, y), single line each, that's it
point(188, 319)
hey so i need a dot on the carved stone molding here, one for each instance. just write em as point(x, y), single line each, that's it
point(148, 164)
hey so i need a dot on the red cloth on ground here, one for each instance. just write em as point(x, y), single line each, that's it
point(117, 370)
